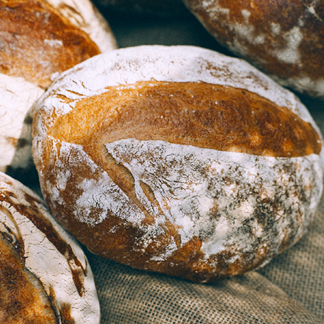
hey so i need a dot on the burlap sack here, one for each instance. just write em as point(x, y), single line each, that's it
point(133, 296)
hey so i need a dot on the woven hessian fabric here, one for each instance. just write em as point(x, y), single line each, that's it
point(133, 296)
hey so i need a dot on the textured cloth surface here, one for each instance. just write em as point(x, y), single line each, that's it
point(133, 296)
point(290, 289)
point(299, 271)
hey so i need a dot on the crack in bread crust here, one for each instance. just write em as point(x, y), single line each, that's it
point(198, 114)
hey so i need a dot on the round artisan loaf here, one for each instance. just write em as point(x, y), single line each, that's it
point(44, 275)
point(39, 39)
point(283, 38)
point(178, 160)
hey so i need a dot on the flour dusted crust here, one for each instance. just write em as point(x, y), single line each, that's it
point(283, 38)
point(141, 149)
point(84, 15)
point(16, 110)
point(59, 285)
point(40, 39)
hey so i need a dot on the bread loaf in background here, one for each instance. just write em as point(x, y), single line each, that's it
point(283, 38)
point(178, 160)
point(39, 40)
point(44, 274)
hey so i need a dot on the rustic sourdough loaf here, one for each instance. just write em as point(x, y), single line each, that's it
point(44, 275)
point(40, 39)
point(178, 160)
point(283, 38)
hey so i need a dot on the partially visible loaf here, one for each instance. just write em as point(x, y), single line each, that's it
point(39, 40)
point(283, 38)
point(178, 160)
point(44, 275)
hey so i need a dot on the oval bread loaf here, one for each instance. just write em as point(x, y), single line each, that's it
point(283, 38)
point(39, 39)
point(178, 160)
point(44, 275)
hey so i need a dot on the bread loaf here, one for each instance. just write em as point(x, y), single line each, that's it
point(39, 40)
point(178, 160)
point(44, 275)
point(283, 38)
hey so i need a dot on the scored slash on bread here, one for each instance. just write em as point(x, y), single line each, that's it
point(45, 276)
point(140, 156)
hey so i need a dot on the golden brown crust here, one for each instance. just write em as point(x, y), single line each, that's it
point(38, 41)
point(22, 298)
point(197, 114)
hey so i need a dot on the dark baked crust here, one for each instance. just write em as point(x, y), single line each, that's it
point(22, 297)
point(283, 38)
